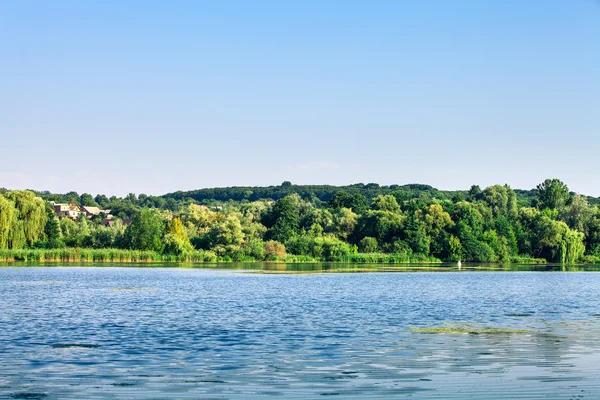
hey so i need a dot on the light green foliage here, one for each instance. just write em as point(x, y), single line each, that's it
point(435, 219)
point(198, 220)
point(176, 238)
point(385, 203)
point(69, 229)
point(228, 232)
point(253, 212)
point(76, 233)
point(437, 224)
point(455, 248)
point(320, 247)
point(319, 216)
point(578, 214)
point(550, 239)
point(7, 221)
point(29, 218)
point(176, 245)
point(255, 248)
point(344, 223)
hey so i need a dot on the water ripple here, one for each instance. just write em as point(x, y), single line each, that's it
point(66, 333)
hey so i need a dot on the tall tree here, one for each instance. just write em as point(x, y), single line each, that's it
point(145, 232)
point(30, 217)
point(7, 215)
point(552, 194)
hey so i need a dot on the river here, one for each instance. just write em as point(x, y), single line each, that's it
point(250, 333)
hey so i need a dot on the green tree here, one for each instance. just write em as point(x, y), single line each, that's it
point(578, 214)
point(502, 200)
point(30, 217)
point(368, 245)
point(228, 232)
point(176, 238)
point(86, 199)
point(455, 248)
point(357, 202)
point(344, 222)
point(52, 230)
point(385, 203)
point(384, 226)
point(552, 194)
point(284, 219)
point(274, 250)
point(255, 248)
point(7, 221)
point(145, 232)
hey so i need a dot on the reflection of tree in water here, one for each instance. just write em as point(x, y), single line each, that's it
point(492, 353)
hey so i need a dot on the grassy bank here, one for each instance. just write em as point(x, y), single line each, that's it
point(78, 255)
point(82, 255)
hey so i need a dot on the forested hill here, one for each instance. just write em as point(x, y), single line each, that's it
point(314, 193)
point(325, 193)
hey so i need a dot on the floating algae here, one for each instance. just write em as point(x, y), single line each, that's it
point(133, 288)
point(474, 331)
point(29, 395)
point(75, 345)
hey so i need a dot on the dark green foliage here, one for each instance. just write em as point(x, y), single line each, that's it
point(284, 219)
point(368, 245)
point(357, 202)
point(552, 194)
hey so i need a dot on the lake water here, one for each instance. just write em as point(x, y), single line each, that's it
point(156, 333)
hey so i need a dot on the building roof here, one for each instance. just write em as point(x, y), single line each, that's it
point(91, 210)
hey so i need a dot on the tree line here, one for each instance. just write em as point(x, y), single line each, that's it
point(410, 223)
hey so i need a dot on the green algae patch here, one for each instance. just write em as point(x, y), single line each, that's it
point(75, 345)
point(133, 288)
point(474, 331)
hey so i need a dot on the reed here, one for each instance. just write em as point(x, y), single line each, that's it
point(83, 255)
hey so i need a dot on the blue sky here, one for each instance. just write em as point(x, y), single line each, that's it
point(152, 96)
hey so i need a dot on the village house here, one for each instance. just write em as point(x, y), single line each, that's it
point(73, 212)
point(67, 210)
point(93, 211)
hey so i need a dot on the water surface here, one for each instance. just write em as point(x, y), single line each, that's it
point(155, 333)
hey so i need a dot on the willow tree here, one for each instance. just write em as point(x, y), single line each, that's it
point(7, 214)
point(176, 238)
point(30, 218)
point(572, 247)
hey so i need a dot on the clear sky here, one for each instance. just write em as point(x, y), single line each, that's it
point(115, 96)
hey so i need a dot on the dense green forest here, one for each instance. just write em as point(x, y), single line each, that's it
point(368, 223)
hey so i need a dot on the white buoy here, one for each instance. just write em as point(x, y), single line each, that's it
point(458, 264)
